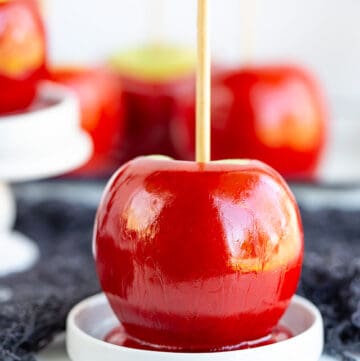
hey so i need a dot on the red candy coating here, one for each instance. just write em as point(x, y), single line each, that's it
point(198, 257)
point(22, 53)
point(119, 337)
point(100, 95)
point(273, 113)
point(150, 106)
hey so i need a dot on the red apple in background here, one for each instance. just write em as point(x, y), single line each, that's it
point(22, 53)
point(198, 257)
point(154, 79)
point(100, 96)
point(272, 113)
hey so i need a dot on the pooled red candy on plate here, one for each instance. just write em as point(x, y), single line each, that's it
point(22, 53)
point(272, 113)
point(198, 256)
point(100, 96)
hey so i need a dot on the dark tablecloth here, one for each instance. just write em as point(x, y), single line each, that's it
point(34, 304)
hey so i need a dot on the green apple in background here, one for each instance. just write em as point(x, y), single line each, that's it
point(155, 63)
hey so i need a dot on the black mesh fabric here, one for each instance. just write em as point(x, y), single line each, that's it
point(34, 304)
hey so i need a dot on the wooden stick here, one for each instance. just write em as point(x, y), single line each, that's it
point(203, 92)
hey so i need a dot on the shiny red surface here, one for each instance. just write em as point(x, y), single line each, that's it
point(198, 257)
point(119, 337)
point(274, 114)
point(100, 96)
point(150, 106)
point(22, 53)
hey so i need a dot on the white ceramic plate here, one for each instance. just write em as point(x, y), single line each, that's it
point(93, 318)
point(44, 141)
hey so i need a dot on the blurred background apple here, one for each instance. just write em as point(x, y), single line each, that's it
point(155, 79)
point(273, 113)
point(101, 106)
point(23, 53)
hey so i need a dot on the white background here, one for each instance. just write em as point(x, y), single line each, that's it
point(323, 34)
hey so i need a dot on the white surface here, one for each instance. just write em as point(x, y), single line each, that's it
point(7, 208)
point(56, 160)
point(43, 142)
point(90, 321)
point(18, 253)
point(341, 163)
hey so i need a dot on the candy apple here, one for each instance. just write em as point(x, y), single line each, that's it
point(22, 53)
point(272, 113)
point(198, 256)
point(154, 79)
point(100, 96)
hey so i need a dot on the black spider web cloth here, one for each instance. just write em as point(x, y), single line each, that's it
point(34, 305)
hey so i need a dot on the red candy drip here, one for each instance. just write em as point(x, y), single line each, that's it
point(119, 337)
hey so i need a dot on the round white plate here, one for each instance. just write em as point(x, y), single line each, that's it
point(44, 141)
point(92, 319)
point(56, 160)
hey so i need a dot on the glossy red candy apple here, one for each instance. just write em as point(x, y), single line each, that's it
point(155, 78)
point(22, 53)
point(198, 257)
point(100, 96)
point(272, 113)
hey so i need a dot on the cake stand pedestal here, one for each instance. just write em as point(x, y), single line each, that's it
point(42, 142)
point(17, 251)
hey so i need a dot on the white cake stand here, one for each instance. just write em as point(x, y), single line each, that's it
point(45, 141)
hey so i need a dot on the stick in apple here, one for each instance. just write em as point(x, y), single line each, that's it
point(203, 93)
